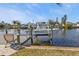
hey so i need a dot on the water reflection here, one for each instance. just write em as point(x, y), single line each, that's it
point(60, 37)
point(68, 38)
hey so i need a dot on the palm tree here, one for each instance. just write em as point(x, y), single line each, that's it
point(64, 22)
point(65, 18)
point(17, 25)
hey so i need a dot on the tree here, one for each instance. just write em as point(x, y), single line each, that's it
point(5, 26)
point(64, 22)
point(17, 24)
point(2, 25)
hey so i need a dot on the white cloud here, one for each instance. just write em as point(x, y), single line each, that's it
point(67, 5)
point(32, 6)
point(9, 15)
point(64, 9)
point(34, 16)
point(57, 11)
point(35, 4)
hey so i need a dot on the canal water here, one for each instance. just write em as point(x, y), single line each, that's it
point(60, 37)
point(69, 38)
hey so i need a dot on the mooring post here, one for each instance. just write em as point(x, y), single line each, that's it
point(18, 36)
point(6, 31)
point(31, 36)
point(50, 38)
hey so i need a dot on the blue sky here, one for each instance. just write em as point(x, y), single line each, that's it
point(27, 12)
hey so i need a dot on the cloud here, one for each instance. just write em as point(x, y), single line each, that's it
point(64, 9)
point(67, 5)
point(28, 12)
point(35, 4)
point(8, 15)
point(57, 11)
point(34, 16)
point(32, 6)
point(23, 12)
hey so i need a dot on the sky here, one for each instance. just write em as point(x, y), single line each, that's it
point(38, 12)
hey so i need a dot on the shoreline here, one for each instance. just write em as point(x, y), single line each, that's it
point(9, 51)
point(53, 48)
point(47, 51)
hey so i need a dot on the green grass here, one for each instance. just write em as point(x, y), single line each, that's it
point(45, 52)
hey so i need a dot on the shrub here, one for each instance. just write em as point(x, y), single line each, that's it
point(37, 41)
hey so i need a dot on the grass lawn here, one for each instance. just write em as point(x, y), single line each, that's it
point(45, 52)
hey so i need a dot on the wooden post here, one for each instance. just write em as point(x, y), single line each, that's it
point(6, 31)
point(50, 39)
point(52, 36)
point(31, 36)
point(18, 36)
